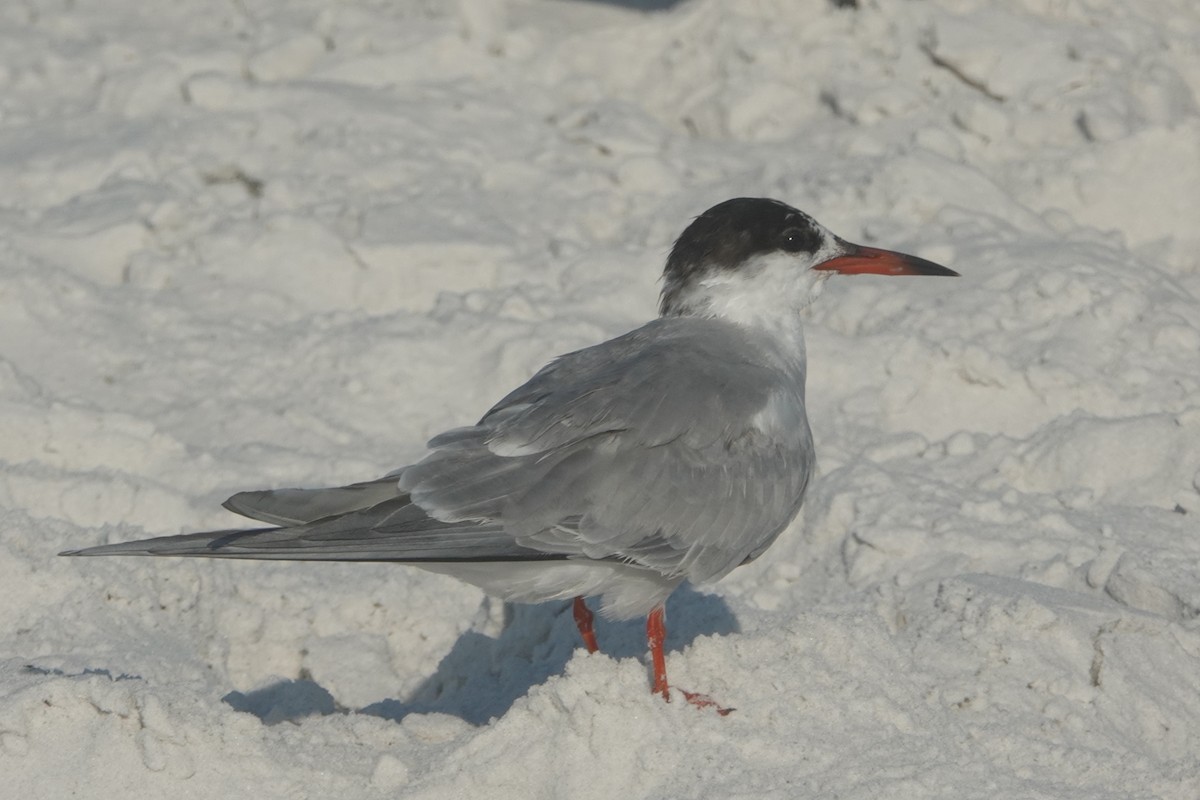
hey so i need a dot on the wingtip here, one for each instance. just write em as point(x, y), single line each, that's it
point(136, 548)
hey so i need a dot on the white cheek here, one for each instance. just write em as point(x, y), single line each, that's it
point(778, 285)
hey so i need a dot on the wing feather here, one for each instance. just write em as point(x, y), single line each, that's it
point(297, 506)
point(646, 448)
point(649, 449)
point(395, 530)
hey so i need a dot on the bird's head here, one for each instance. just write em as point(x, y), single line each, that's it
point(754, 258)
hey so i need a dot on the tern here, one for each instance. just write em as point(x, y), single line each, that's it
point(677, 451)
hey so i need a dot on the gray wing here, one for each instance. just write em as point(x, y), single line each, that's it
point(394, 530)
point(665, 447)
point(677, 447)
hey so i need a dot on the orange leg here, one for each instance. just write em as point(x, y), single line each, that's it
point(656, 633)
point(583, 620)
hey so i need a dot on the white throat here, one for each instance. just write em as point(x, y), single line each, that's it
point(765, 295)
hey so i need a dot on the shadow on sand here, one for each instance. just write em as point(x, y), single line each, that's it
point(483, 675)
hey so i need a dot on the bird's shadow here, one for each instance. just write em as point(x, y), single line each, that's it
point(483, 675)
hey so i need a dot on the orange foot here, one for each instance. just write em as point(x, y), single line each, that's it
point(656, 634)
point(704, 701)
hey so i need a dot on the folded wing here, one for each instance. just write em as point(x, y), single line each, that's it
point(650, 448)
point(660, 448)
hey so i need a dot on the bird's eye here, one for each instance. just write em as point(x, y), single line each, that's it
point(800, 240)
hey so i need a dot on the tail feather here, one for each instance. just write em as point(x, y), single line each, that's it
point(394, 530)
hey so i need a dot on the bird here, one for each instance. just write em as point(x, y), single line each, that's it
point(677, 451)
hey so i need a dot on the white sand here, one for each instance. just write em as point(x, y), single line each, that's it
point(262, 244)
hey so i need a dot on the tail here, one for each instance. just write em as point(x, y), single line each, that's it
point(392, 530)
